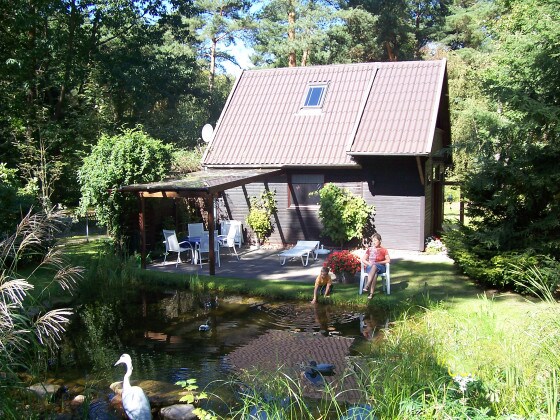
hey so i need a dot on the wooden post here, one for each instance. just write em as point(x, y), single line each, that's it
point(141, 222)
point(209, 204)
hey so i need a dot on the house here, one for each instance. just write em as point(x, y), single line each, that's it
point(381, 130)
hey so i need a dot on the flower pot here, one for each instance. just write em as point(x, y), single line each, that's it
point(345, 277)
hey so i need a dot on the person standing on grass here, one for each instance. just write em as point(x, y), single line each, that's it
point(323, 284)
point(375, 260)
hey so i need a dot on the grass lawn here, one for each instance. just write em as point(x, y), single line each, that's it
point(410, 280)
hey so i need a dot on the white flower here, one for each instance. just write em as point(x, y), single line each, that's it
point(463, 381)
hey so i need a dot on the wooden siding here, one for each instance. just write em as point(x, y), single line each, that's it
point(399, 218)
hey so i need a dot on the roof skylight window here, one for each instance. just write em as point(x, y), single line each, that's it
point(315, 95)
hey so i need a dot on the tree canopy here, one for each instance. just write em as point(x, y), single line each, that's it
point(74, 73)
point(115, 161)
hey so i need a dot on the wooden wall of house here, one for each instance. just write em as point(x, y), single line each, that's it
point(391, 184)
point(397, 192)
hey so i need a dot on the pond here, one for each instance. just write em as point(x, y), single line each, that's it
point(160, 330)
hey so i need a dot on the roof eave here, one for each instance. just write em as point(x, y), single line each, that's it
point(241, 166)
point(387, 154)
point(436, 104)
point(218, 123)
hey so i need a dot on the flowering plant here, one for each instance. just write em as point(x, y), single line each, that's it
point(434, 245)
point(339, 261)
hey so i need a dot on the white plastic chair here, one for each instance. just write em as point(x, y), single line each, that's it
point(225, 226)
point(204, 248)
point(229, 240)
point(172, 245)
point(385, 279)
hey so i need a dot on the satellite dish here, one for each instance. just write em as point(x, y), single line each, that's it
point(207, 133)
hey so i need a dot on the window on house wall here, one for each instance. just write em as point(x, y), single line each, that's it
point(315, 95)
point(304, 190)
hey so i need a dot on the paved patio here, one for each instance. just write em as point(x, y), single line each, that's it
point(264, 264)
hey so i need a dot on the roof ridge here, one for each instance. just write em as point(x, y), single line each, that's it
point(342, 65)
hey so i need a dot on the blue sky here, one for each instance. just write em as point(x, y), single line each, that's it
point(242, 53)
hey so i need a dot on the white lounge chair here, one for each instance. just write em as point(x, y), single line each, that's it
point(301, 249)
point(385, 279)
point(172, 245)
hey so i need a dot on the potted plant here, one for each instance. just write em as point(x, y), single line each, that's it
point(343, 264)
point(260, 212)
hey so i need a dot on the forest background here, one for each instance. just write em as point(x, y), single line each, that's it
point(73, 72)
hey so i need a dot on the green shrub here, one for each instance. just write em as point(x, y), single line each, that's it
point(344, 215)
point(260, 212)
point(13, 199)
point(115, 161)
point(505, 270)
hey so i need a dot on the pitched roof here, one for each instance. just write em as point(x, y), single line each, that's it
point(368, 108)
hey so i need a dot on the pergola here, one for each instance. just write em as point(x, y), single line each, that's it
point(206, 184)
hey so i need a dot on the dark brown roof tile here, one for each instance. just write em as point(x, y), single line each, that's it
point(263, 124)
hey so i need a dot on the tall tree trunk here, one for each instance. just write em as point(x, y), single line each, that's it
point(305, 57)
point(292, 35)
point(212, 64)
point(68, 61)
point(390, 52)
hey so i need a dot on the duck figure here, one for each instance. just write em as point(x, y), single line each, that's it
point(325, 369)
point(205, 327)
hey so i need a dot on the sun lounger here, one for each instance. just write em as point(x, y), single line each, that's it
point(301, 249)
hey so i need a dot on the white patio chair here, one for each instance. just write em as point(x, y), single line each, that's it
point(172, 245)
point(229, 240)
point(204, 248)
point(225, 226)
point(385, 279)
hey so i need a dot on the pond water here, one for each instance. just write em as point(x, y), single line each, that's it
point(160, 330)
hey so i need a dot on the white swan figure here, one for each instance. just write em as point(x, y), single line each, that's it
point(134, 401)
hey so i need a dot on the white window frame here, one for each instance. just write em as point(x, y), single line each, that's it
point(308, 90)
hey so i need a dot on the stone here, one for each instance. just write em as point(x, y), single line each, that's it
point(79, 399)
point(44, 390)
point(178, 412)
point(159, 393)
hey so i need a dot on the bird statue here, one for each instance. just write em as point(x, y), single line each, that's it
point(313, 376)
point(205, 327)
point(134, 401)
